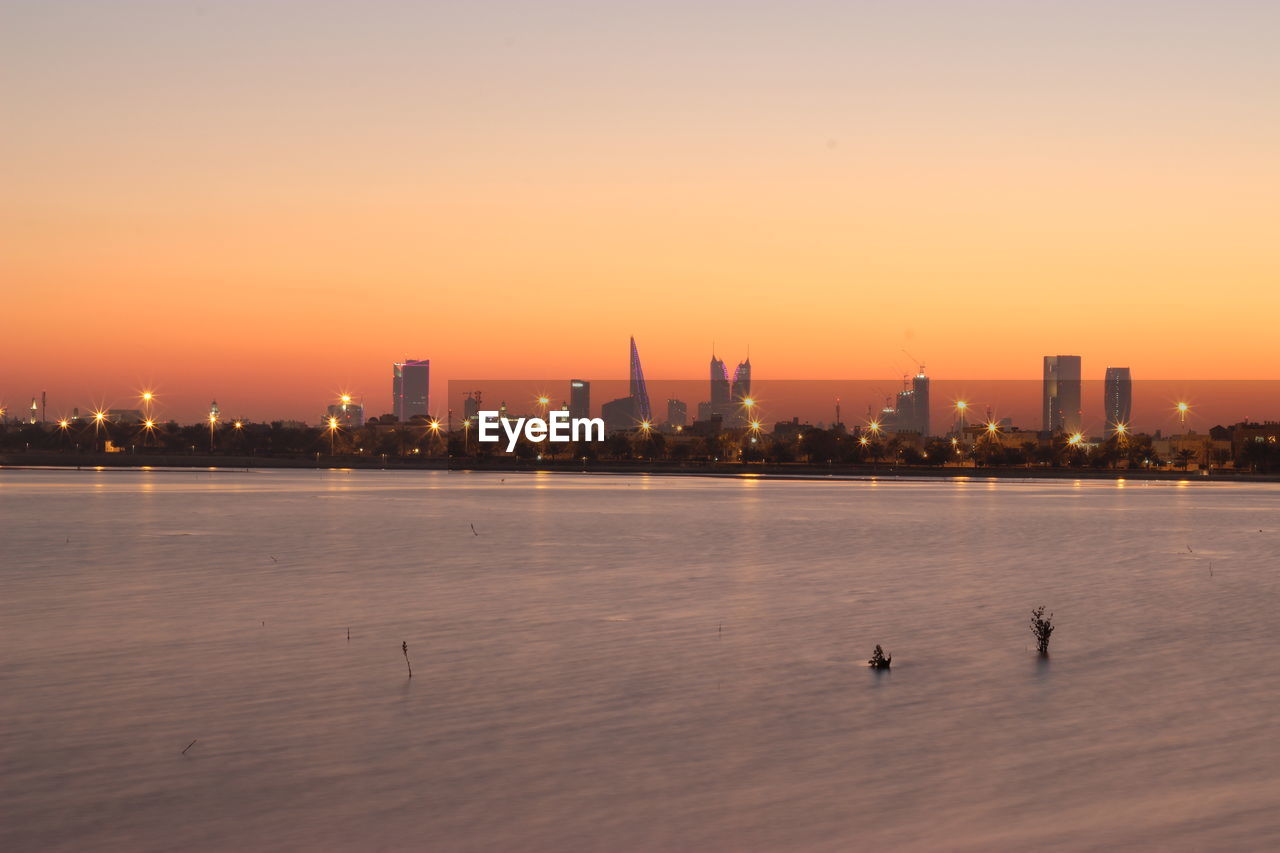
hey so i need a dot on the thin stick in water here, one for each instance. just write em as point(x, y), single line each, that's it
point(404, 647)
point(193, 743)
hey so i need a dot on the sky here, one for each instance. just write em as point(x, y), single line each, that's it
point(269, 202)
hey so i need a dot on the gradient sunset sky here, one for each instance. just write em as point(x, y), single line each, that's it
point(266, 202)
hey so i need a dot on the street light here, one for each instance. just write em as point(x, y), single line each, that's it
point(213, 422)
point(1182, 409)
point(333, 428)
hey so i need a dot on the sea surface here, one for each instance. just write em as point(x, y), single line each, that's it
point(616, 663)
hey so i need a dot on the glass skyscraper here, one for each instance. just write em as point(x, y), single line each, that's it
point(639, 392)
point(579, 398)
point(411, 388)
point(1061, 395)
point(1117, 397)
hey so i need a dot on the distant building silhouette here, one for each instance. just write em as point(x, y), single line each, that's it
point(719, 384)
point(639, 392)
point(920, 393)
point(411, 388)
point(1117, 397)
point(909, 411)
point(628, 412)
point(620, 414)
point(346, 414)
point(677, 413)
point(727, 397)
point(741, 389)
point(1061, 394)
point(579, 398)
point(471, 407)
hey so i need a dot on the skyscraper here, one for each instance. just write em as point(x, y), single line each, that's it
point(579, 398)
point(677, 413)
point(741, 389)
point(630, 411)
point(1117, 397)
point(471, 407)
point(903, 417)
point(1061, 397)
point(347, 414)
point(719, 385)
point(639, 392)
point(411, 388)
point(920, 387)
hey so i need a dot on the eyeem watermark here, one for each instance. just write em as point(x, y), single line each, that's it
point(558, 427)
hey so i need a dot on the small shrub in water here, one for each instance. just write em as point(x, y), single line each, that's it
point(879, 660)
point(1042, 627)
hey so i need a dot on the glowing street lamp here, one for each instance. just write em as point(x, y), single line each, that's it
point(333, 429)
point(433, 428)
point(1182, 409)
point(148, 429)
point(213, 423)
point(1076, 439)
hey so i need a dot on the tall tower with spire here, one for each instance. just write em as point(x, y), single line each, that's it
point(742, 381)
point(639, 392)
point(719, 382)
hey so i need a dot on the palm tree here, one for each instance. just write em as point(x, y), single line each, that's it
point(1185, 455)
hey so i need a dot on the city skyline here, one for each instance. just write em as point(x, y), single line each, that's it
point(1115, 399)
point(827, 183)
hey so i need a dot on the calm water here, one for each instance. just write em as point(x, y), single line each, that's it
point(632, 663)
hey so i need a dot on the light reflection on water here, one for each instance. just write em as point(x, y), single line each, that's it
point(633, 663)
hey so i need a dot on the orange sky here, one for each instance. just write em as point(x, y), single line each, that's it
point(266, 203)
